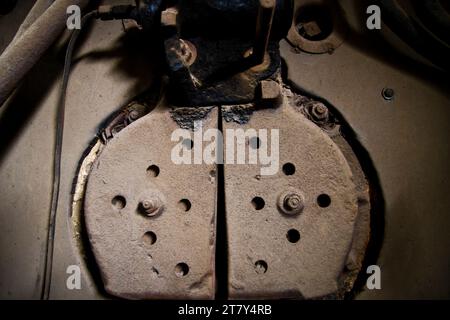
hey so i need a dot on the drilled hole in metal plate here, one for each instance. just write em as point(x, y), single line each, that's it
point(261, 266)
point(255, 143)
point(188, 144)
point(181, 270)
point(212, 176)
point(293, 236)
point(288, 169)
point(324, 200)
point(153, 171)
point(258, 203)
point(314, 22)
point(119, 202)
point(185, 205)
point(149, 238)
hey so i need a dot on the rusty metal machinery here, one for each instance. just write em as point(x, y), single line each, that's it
point(224, 150)
point(301, 233)
point(153, 229)
point(151, 223)
point(234, 45)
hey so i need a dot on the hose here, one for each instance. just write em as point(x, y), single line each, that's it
point(29, 48)
point(39, 7)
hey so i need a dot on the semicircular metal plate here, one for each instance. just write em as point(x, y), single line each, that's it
point(167, 255)
point(272, 254)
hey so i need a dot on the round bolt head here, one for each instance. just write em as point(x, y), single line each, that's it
point(133, 115)
point(319, 112)
point(291, 202)
point(388, 94)
point(188, 52)
point(151, 207)
point(148, 204)
point(321, 109)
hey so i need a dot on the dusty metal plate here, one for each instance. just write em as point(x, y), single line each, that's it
point(302, 255)
point(168, 250)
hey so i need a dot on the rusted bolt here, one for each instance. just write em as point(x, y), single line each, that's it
point(291, 202)
point(133, 115)
point(151, 207)
point(188, 52)
point(319, 112)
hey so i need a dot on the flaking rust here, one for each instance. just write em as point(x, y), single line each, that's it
point(186, 117)
point(238, 113)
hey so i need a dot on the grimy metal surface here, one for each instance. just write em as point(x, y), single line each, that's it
point(129, 217)
point(407, 139)
point(151, 223)
point(274, 253)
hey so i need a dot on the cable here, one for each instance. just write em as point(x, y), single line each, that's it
point(103, 13)
point(57, 155)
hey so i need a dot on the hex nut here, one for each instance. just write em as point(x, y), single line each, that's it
point(291, 202)
point(151, 206)
point(319, 112)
